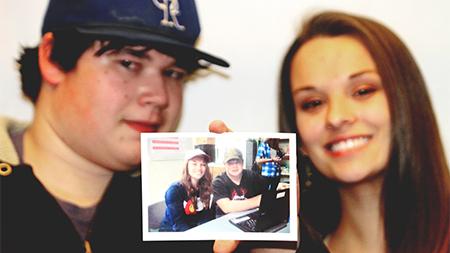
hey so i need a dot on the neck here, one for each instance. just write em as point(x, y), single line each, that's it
point(194, 183)
point(361, 228)
point(64, 173)
point(235, 179)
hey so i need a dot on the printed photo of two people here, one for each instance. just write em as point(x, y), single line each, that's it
point(232, 186)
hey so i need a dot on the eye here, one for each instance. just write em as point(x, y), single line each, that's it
point(128, 64)
point(311, 104)
point(176, 74)
point(364, 91)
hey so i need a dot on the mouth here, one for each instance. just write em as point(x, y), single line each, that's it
point(142, 126)
point(345, 146)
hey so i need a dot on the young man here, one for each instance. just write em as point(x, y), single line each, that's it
point(104, 72)
point(236, 189)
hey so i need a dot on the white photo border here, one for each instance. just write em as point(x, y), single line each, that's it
point(292, 235)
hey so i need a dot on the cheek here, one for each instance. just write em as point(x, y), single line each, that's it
point(79, 98)
point(100, 89)
point(377, 114)
point(310, 130)
point(172, 113)
point(175, 99)
point(112, 96)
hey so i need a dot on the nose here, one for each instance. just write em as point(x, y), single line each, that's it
point(340, 113)
point(153, 90)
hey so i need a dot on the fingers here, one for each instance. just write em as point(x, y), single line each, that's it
point(218, 126)
point(225, 246)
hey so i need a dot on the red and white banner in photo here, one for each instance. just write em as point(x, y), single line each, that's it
point(165, 144)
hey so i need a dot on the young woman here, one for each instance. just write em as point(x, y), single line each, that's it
point(374, 174)
point(189, 200)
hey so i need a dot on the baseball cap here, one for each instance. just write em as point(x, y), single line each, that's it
point(232, 153)
point(196, 152)
point(170, 24)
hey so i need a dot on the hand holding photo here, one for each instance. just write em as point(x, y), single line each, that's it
point(231, 186)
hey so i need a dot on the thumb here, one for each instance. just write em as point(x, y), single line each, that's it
point(225, 246)
point(218, 126)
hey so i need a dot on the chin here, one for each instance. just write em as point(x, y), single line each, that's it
point(356, 176)
point(128, 160)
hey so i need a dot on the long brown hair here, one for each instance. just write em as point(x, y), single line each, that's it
point(416, 189)
point(204, 188)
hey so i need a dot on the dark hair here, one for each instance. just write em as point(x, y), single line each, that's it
point(273, 143)
point(204, 187)
point(416, 189)
point(69, 45)
point(67, 48)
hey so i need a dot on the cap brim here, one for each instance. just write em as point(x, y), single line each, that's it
point(208, 159)
point(232, 158)
point(153, 38)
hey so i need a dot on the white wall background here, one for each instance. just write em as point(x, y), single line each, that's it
point(253, 36)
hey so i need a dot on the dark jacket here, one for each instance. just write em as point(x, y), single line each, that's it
point(176, 217)
point(32, 220)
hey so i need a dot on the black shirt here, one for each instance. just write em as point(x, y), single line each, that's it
point(251, 185)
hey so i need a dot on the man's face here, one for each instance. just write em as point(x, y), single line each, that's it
point(101, 107)
point(234, 168)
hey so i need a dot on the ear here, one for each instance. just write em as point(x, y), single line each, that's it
point(50, 71)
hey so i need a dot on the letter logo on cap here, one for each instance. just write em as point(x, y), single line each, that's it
point(170, 7)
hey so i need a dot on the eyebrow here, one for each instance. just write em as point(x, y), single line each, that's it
point(352, 76)
point(143, 54)
point(140, 53)
point(361, 73)
point(306, 88)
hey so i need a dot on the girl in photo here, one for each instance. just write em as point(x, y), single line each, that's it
point(189, 200)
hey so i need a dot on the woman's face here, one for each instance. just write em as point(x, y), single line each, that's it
point(197, 168)
point(341, 108)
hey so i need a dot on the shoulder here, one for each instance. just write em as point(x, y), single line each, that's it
point(261, 146)
point(176, 186)
point(20, 175)
point(7, 149)
point(19, 187)
point(220, 179)
point(175, 189)
point(312, 240)
point(252, 177)
point(249, 174)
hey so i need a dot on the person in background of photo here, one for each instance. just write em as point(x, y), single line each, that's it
point(378, 180)
point(103, 73)
point(189, 201)
point(236, 189)
point(270, 156)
